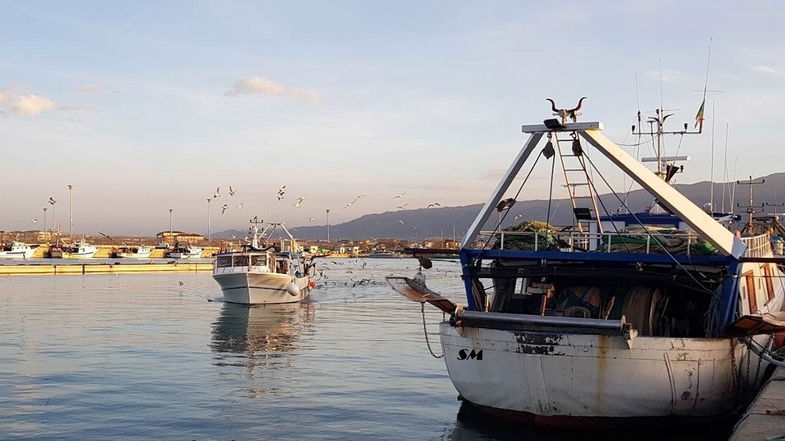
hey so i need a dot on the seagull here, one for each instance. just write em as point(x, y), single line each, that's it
point(35, 220)
point(105, 235)
point(401, 221)
point(180, 282)
point(281, 192)
point(52, 201)
point(300, 201)
point(310, 219)
point(217, 193)
point(435, 204)
point(240, 205)
point(403, 207)
point(505, 204)
point(232, 191)
point(223, 208)
point(518, 216)
point(400, 195)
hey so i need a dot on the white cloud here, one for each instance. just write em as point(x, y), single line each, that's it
point(268, 87)
point(770, 70)
point(93, 88)
point(23, 104)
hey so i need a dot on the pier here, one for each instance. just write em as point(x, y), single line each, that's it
point(765, 418)
point(103, 268)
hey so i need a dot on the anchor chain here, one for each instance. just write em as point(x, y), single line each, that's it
point(425, 331)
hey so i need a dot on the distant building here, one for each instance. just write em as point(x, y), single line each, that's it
point(179, 236)
point(31, 236)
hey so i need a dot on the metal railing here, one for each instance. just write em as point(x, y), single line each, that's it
point(758, 246)
point(574, 241)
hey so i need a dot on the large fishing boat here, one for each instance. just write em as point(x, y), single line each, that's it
point(76, 250)
point(185, 252)
point(278, 273)
point(623, 317)
point(17, 250)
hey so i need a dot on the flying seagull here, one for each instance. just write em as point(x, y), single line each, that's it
point(505, 204)
point(300, 201)
point(240, 205)
point(281, 192)
point(310, 219)
point(401, 221)
point(403, 207)
point(400, 195)
point(35, 219)
point(223, 208)
point(435, 204)
point(232, 191)
point(217, 193)
point(52, 201)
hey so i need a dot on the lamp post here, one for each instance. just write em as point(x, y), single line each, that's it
point(70, 213)
point(45, 222)
point(328, 224)
point(208, 219)
point(170, 223)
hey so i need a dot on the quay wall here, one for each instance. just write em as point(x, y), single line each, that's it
point(104, 268)
point(105, 252)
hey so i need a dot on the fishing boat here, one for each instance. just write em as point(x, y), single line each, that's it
point(78, 250)
point(628, 318)
point(185, 252)
point(140, 252)
point(17, 250)
point(278, 273)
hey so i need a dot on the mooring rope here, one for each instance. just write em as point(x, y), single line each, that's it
point(425, 331)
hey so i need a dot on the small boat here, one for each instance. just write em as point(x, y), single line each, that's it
point(17, 250)
point(626, 318)
point(185, 252)
point(140, 252)
point(274, 274)
point(79, 250)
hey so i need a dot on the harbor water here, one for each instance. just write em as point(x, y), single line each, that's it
point(160, 356)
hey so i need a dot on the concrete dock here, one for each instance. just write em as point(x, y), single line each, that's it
point(765, 418)
point(104, 268)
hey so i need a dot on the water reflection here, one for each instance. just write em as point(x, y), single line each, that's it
point(473, 424)
point(258, 333)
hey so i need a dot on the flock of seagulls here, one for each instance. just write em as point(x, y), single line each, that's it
point(225, 206)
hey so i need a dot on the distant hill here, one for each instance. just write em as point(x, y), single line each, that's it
point(435, 222)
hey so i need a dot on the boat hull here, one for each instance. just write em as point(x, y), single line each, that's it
point(16, 254)
point(133, 255)
point(552, 378)
point(262, 288)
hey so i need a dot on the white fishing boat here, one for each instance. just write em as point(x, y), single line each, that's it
point(279, 273)
point(186, 252)
point(17, 250)
point(79, 250)
point(140, 252)
point(620, 319)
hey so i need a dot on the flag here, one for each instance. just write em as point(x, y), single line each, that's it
point(699, 116)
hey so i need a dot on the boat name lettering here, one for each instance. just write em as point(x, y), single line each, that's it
point(465, 354)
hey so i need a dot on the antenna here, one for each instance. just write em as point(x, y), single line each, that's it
point(699, 115)
point(750, 208)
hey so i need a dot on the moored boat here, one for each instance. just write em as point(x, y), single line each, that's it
point(269, 275)
point(620, 319)
point(17, 250)
point(140, 252)
point(185, 252)
point(79, 250)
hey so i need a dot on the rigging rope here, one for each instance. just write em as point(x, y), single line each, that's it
point(425, 330)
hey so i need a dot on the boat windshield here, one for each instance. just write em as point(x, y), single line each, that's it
point(240, 261)
point(258, 260)
point(223, 261)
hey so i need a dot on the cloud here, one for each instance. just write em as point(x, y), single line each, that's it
point(94, 88)
point(770, 70)
point(23, 104)
point(264, 86)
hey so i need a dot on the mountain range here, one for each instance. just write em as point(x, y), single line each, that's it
point(442, 221)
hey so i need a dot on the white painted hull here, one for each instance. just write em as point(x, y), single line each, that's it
point(85, 255)
point(575, 376)
point(262, 288)
point(27, 254)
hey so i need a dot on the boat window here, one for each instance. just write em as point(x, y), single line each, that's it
point(240, 260)
point(223, 261)
point(258, 260)
point(282, 266)
point(769, 282)
point(749, 276)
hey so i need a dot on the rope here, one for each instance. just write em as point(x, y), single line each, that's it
point(425, 331)
point(550, 191)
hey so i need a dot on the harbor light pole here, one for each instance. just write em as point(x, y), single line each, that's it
point(45, 222)
point(328, 224)
point(52, 202)
point(70, 213)
point(170, 223)
point(208, 219)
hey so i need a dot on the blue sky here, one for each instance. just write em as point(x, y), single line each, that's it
point(147, 106)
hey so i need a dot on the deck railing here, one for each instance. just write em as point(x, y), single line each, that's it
point(758, 246)
point(574, 241)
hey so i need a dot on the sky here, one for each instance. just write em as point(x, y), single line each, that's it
point(149, 106)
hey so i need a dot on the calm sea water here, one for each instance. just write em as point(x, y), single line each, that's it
point(159, 356)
